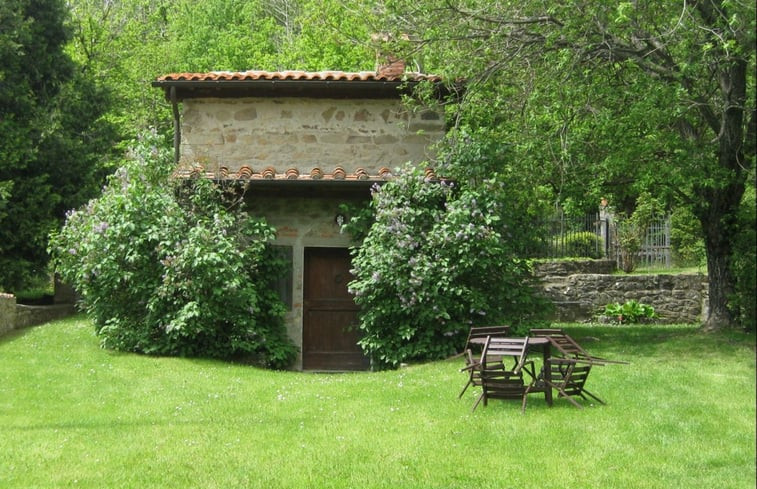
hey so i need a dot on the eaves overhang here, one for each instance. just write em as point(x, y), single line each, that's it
point(330, 84)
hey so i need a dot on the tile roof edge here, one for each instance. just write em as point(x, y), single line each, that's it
point(299, 76)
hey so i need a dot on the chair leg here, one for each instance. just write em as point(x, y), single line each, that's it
point(562, 393)
point(584, 391)
point(460, 396)
point(482, 396)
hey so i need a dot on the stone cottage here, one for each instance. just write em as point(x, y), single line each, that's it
point(304, 143)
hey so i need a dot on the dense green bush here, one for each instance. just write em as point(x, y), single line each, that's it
point(742, 302)
point(172, 268)
point(581, 244)
point(437, 260)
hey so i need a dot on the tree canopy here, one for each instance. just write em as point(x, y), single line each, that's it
point(608, 99)
point(53, 144)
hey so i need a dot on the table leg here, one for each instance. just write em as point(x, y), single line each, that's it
point(546, 355)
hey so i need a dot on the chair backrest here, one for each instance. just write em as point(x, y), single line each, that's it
point(563, 343)
point(481, 332)
point(497, 349)
point(569, 376)
point(484, 331)
point(497, 380)
point(567, 347)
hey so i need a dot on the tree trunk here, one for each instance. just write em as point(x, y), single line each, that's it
point(720, 202)
point(717, 212)
point(720, 284)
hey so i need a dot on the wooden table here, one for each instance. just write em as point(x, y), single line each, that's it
point(542, 343)
point(536, 343)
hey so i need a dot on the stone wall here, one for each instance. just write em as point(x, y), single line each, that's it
point(7, 312)
point(294, 136)
point(16, 316)
point(680, 298)
point(564, 268)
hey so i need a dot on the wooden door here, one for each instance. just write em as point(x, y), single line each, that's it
point(330, 335)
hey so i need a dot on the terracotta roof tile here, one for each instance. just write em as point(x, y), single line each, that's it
point(254, 75)
point(270, 173)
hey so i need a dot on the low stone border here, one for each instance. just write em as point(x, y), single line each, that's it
point(16, 316)
point(7, 312)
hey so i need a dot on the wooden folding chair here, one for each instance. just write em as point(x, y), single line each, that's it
point(498, 379)
point(568, 378)
point(566, 347)
point(474, 345)
point(570, 365)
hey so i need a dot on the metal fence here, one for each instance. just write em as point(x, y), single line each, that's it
point(562, 236)
point(655, 248)
point(591, 236)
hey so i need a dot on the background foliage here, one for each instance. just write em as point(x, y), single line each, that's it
point(582, 100)
point(173, 268)
point(55, 143)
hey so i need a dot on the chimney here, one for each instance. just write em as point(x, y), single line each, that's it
point(392, 67)
point(387, 64)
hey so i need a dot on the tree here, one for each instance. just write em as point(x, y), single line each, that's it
point(129, 43)
point(52, 145)
point(641, 95)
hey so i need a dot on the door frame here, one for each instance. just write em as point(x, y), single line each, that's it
point(349, 359)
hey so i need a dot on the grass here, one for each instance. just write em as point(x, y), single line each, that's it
point(682, 415)
point(701, 269)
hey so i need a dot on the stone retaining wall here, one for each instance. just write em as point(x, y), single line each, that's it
point(680, 298)
point(16, 316)
point(7, 312)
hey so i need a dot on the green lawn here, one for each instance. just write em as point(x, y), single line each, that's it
point(682, 415)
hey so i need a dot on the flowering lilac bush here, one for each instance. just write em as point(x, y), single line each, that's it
point(170, 269)
point(436, 260)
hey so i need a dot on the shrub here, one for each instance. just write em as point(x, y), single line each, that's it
point(171, 268)
point(629, 231)
point(437, 260)
point(630, 312)
point(581, 244)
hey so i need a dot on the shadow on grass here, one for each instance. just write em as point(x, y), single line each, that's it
point(16, 333)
